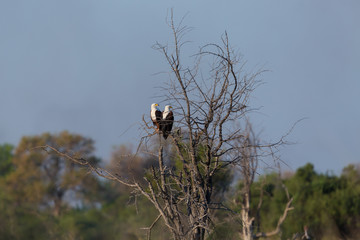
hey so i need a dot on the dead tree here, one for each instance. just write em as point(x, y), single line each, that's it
point(250, 150)
point(210, 104)
point(210, 98)
point(248, 166)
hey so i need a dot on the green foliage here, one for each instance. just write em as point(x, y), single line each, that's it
point(329, 205)
point(91, 208)
point(6, 155)
point(96, 209)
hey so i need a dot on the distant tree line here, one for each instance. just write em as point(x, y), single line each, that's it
point(43, 196)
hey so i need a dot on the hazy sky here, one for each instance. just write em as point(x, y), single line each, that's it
point(88, 67)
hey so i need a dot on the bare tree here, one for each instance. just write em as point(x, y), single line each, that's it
point(248, 163)
point(210, 99)
point(207, 109)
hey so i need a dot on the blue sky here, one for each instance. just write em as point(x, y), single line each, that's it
point(79, 65)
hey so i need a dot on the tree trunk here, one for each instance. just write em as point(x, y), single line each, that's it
point(198, 234)
point(247, 230)
point(57, 208)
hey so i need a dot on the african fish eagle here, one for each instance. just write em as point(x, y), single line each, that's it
point(167, 121)
point(155, 115)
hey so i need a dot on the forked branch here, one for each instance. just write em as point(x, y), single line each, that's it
point(280, 222)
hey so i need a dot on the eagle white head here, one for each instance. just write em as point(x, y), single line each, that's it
point(154, 109)
point(155, 106)
point(167, 110)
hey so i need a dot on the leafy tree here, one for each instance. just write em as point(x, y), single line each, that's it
point(6, 166)
point(36, 187)
point(326, 205)
point(6, 155)
point(44, 179)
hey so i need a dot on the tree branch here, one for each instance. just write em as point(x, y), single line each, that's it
point(280, 221)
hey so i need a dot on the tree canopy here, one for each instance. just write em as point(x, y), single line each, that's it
point(327, 204)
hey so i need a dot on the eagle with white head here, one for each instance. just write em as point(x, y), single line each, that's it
point(167, 121)
point(156, 115)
